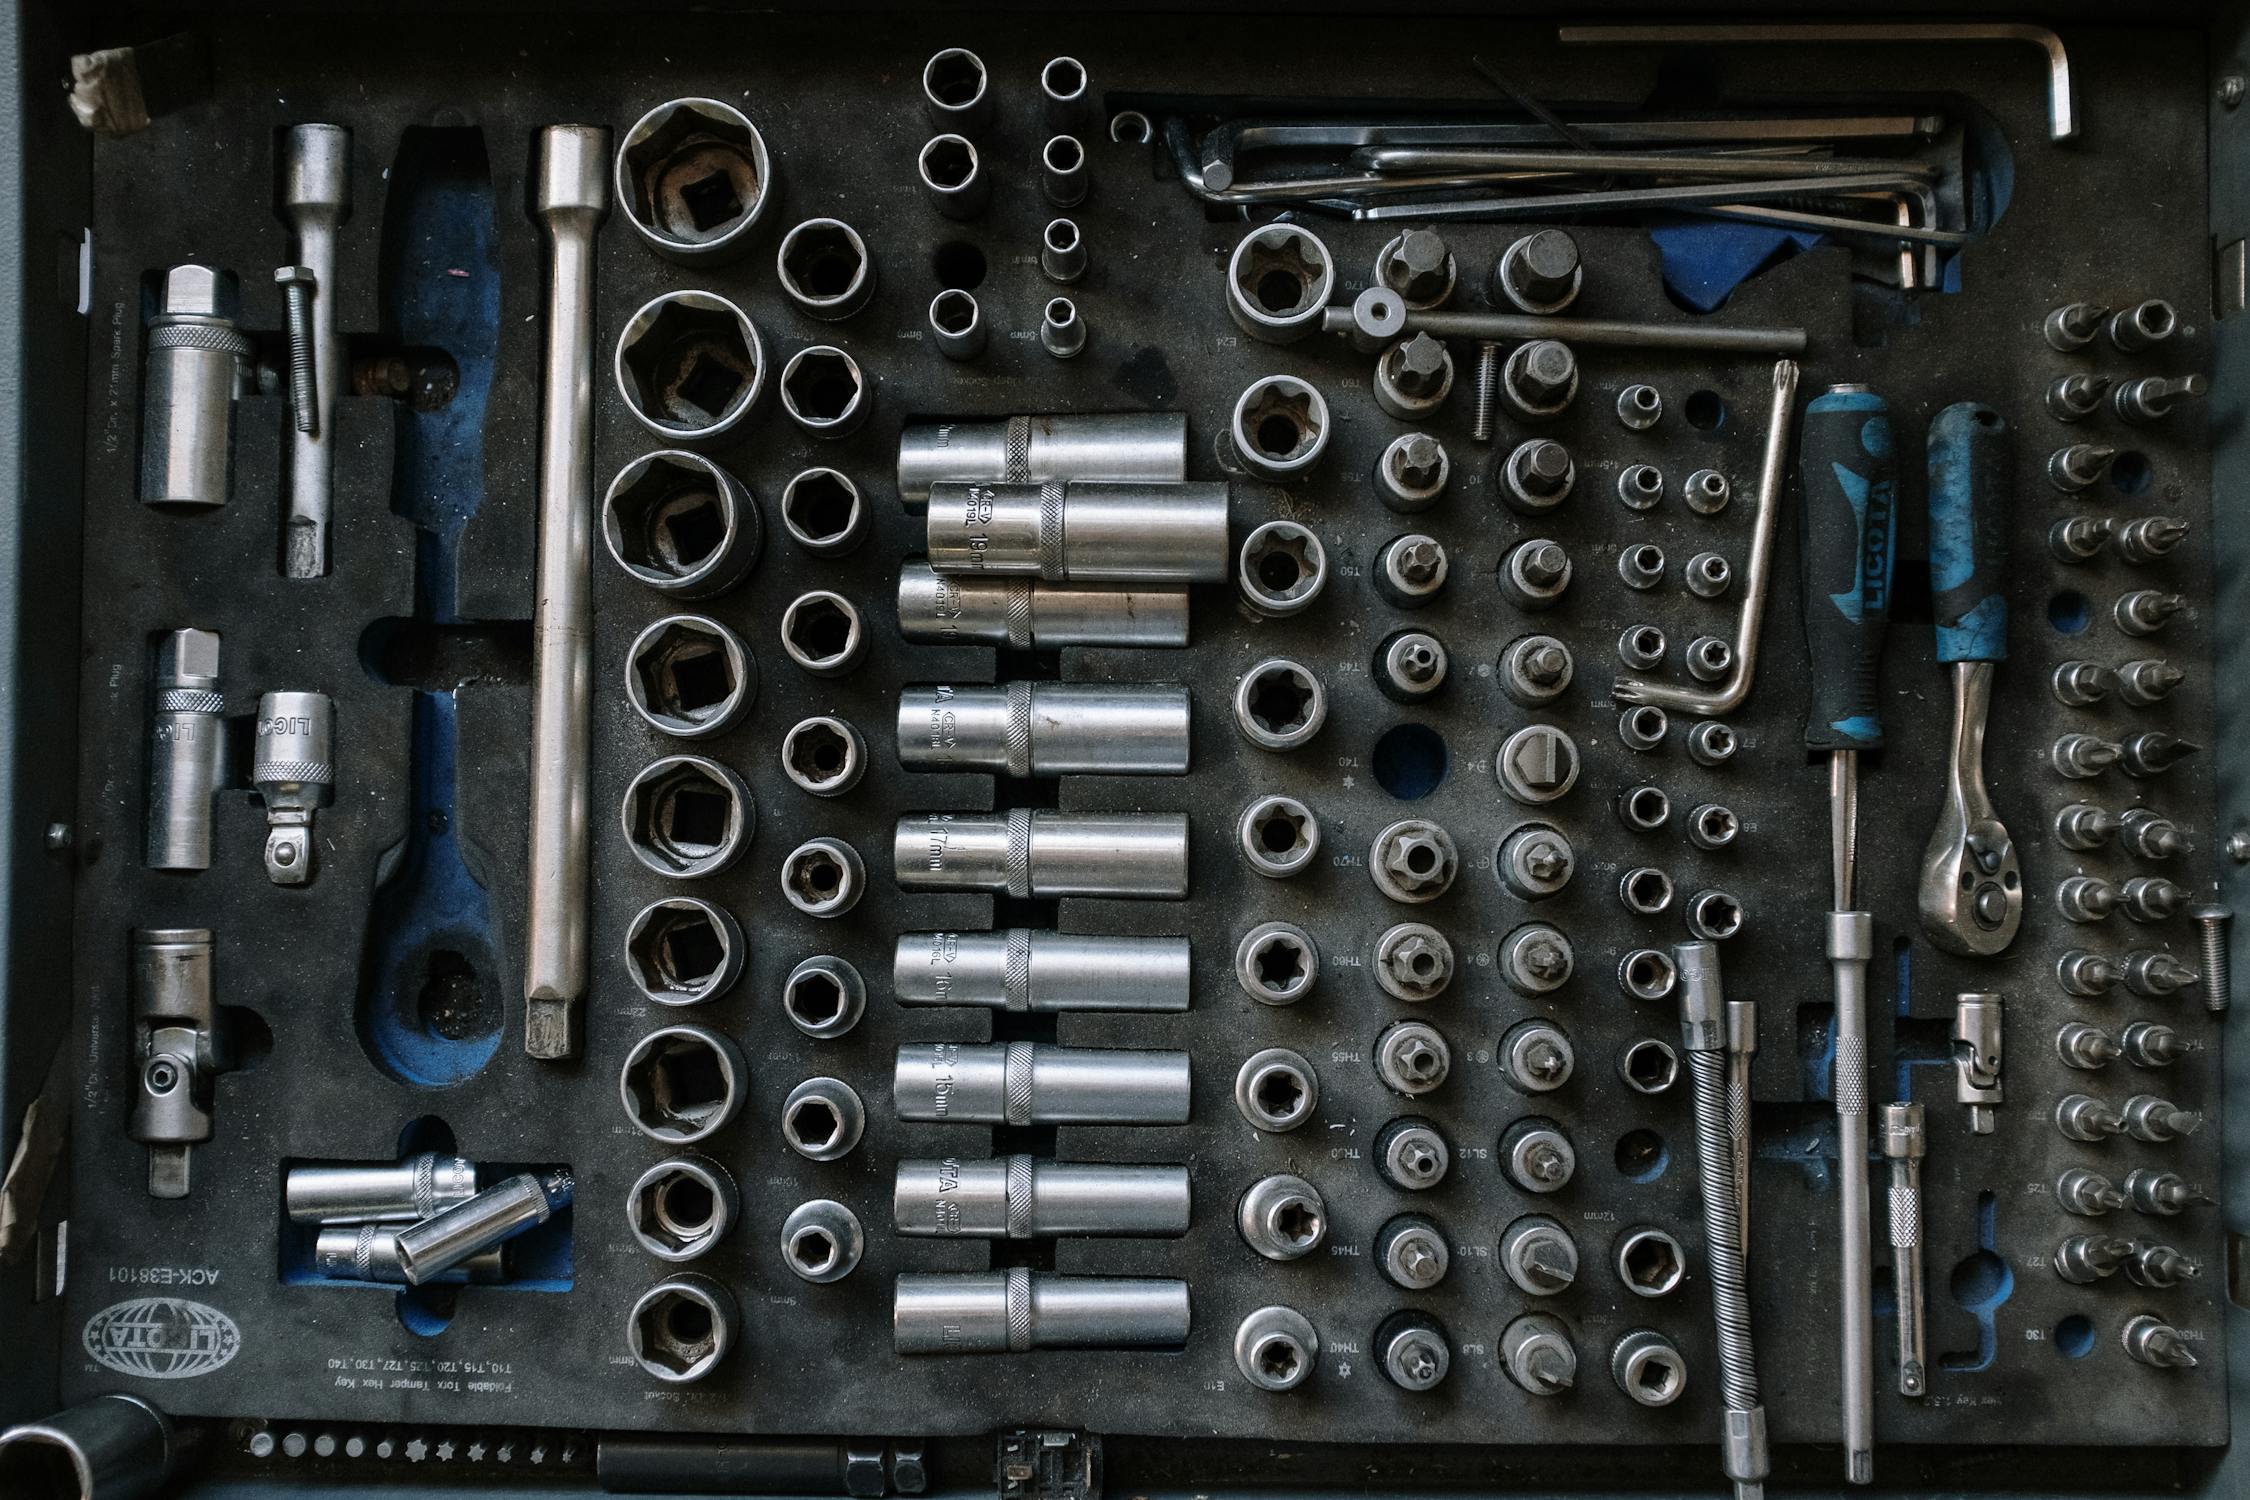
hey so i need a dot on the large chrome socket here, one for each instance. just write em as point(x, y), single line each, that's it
point(1083, 531)
point(993, 1312)
point(1033, 1083)
point(1134, 447)
point(690, 366)
point(1022, 1197)
point(1045, 728)
point(694, 180)
point(1026, 614)
point(1023, 970)
point(194, 368)
point(682, 525)
point(1044, 853)
point(385, 1192)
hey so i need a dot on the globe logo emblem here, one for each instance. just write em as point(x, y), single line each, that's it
point(161, 1338)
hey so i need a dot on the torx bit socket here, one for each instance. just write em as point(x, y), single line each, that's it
point(2080, 684)
point(2151, 1044)
point(2159, 1266)
point(2082, 1117)
point(2078, 466)
point(1021, 1197)
point(399, 1192)
point(2083, 756)
point(2145, 539)
point(2086, 1193)
point(499, 1213)
point(2087, 1258)
point(2081, 1045)
point(1044, 728)
point(2073, 398)
point(1148, 447)
point(2074, 325)
point(187, 750)
point(1085, 531)
point(2147, 681)
point(194, 367)
point(2163, 1193)
point(1027, 614)
point(1043, 852)
point(2084, 898)
point(2153, 752)
point(1034, 1083)
point(2144, 611)
point(2151, 835)
point(2083, 826)
point(2156, 1121)
point(2078, 539)
point(994, 1312)
point(2150, 898)
point(369, 1252)
point(1412, 1253)
point(1023, 970)
point(2149, 1340)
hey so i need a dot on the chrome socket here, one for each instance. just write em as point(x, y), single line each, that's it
point(1711, 743)
point(824, 513)
point(824, 997)
point(690, 366)
point(1282, 1217)
point(682, 525)
point(399, 1192)
point(1645, 891)
point(1413, 1057)
point(1413, 860)
point(293, 769)
point(1281, 569)
point(1276, 1349)
point(1640, 486)
point(1085, 531)
point(196, 362)
point(1707, 492)
point(1063, 93)
point(825, 393)
point(1412, 1253)
point(428, 1248)
point(1410, 570)
point(1279, 428)
point(1033, 1083)
point(690, 677)
point(1024, 1197)
point(1276, 1090)
point(1648, 1368)
point(1279, 280)
point(1044, 852)
point(1536, 670)
point(688, 817)
point(187, 747)
point(1650, 1262)
point(957, 324)
point(1641, 648)
point(1279, 836)
point(1645, 808)
point(1648, 1066)
point(1411, 475)
point(681, 1329)
point(369, 1252)
point(682, 1084)
point(824, 755)
point(995, 1312)
point(1708, 575)
point(1418, 266)
point(1277, 963)
point(1026, 614)
point(1412, 1154)
point(1641, 566)
point(1640, 407)
point(1643, 728)
point(684, 951)
point(1647, 974)
point(681, 1207)
point(1279, 705)
point(1129, 447)
point(1062, 332)
point(1062, 171)
point(953, 176)
point(1025, 729)
point(1535, 574)
point(822, 1119)
point(822, 633)
point(1062, 251)
point(1414, 962)
point(1413, 378)
point(956, 91)
point(694, 179)
point(823, 877)
point(823, 268)
point(822, 1241)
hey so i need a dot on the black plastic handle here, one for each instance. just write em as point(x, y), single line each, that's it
point(1850, 539)
point(1972, 473)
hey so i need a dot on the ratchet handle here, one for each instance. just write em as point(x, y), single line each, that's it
point(1972, 470)
point(1849, 537)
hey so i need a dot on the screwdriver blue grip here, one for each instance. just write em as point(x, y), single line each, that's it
point(1972, 473)
point(1848, 541)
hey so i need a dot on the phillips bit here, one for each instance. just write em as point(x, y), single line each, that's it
point(2152, 835)
point(2078, 466)
point(2086, 1193)
point(2074, 325)
point(1903, 1145)
point(2083, 756)
point(1971, 889)
point(2080, 684)
point(2158, 1121)
point(2088, 1258)
point(2078, 539)
point(2153, 752)
point(2080, 1045)
point(2146, 681)
point(2155, 974)
point(2150, 397)
point(2082, 1117)
point(2085, 974)
point(2144, 611)
point(2147, 538)
point(2152, 1341)
point(2083, 826)
point(2151, 1044)
point(2154, 1265)
point(2164, 1193)
point(2083, 898)
point(2150, 898)
point(2073, 398)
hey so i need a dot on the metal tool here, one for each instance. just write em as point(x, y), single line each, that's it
point(316, 199)
point(501, 1212)
point(1041, 972)
point(113, 1447)
point(1033, 1083)
point(953, 176)
point(1044, 852)
point(369, 1252)
point(681, 1207)
point(1482, 203)
point(1044, 728)
point(682, 1328)
point(1708, 1039)
point(682, 525)
point(1976, 1057)
point(1140, 447)
point(2149, 1340)
point(1021, 1197)
point(293, 766)
point(186, 751)
point(194, 366)
point(822, 1241)
point(1378, 317)
point(1030, 614)
point(996, 1312)
point(570, 198)
point(2211, 923)
point(1971, 892)
point(1904, 1142)
point(179, 1049)
point(377, 1192)
point(694, 180)
point(1085, 531)
point(2062, 108)
point(1724, 698)
point(1537, 1353)
point(824, 270)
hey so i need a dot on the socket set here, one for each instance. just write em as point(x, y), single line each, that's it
point(1204, 760)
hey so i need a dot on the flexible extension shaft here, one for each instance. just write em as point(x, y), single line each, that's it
point(1721, 1103)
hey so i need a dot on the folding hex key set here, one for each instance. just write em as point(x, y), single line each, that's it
point(1272, 889)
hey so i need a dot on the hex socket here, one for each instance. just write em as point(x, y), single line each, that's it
point(191, 370)
point(1027, 614)
point(1085, 531)
point(1032, 1083)
point(499, 1213)
point(1021, 1197)
point(681, 1207)
point(682, 525)
point(824, 269)
point(694, 179)
point(957, 324)
point(1045, 728)
point(1062, 171)
point(369, 1252)
point(1044, 853)
point(187, 747)
point(953, 176)
point(957, 91)
point(1143, 447)
point(680, 1329)
point(991, 1312)
point(1029, 971)
point(688, 816)
point(690, 365)
point(1062, 252)
point(399, 1192)
point(683, 951)
point(681, 1084)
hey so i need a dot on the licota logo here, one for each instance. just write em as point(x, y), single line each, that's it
point(162, 1338)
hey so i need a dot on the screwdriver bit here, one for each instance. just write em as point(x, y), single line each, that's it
point(2146, 681)
point(2153, 752)
point(2080, 1045)
point(2149, 398)
point(2081, 756)
point(2073, 398)
point(2151, 1044)
point(2080, 684)
point(2082, 1117)
point(2144, 611)
point(2084, 826)
point(2078, 539)
point(2150, 898)
point(2085, 974)
point(2078, 466)
point(2147, 538)
point(2087, 1193)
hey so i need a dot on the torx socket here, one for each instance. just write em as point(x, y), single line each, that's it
point(186, 750)
point(1029, 971)
point(193, 369)
point(1143, 447)
point(369, 1252)
point(378, 1192)
point(1021, 1197)
point(1026, 614)
point(498, 1214)
point(1086, 531)
point(1044, 728)
point(993, 1312)
point(1032, 1083)
point(1043, 852)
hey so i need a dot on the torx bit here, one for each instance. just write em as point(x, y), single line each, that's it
point(2078, 466)
point(2085, 974)
point(1903, 1145)
point(2082, 1117)
point(2159, 1266)
point(2155, 974)
point(2078, 539)
point(2080, 684)
point(2151, 1044)
point(2080, 1045)
point(2158, 1121)
point(2153, 752)
point(2083, 826)
point(2073, 398)
point(2087, 1193)
point(2146, 681)
point(2150, 898)
point(2084, 898)
point(2144, 539)
point(2151, 1341)
point(2164, 1193)
point(2144, 611)
point(2083, 756)
point(2151, 835)
point(2149, 398)
point(2088, 1258)
point(2074, 325)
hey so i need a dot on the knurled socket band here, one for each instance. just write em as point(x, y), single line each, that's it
point(190, 701)
point(1019, 851)
point(1015, 461)
point(310, 772)
point(1906, 1217)
point(200, 336)
point(1015, 971)
point(1019, 729)
point(1053, 566)
point(1019, 1309)
point(425, 1185)
point(1015, 1085)
point(363, 1248)
point(1020, 1220)
point(1851, 1075)
point(1019, 616)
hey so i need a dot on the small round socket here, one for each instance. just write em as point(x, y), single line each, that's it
point(1282, 1217)
point(1279, 705)
point(1647, 974)
point(1279, 428)
point(682, 525)
point(824, 269)
point(1640, 407)
point(687, 816)
point(1713, 915)
point(1643, 727)
point(682, 1328)
point(1062, 251)
point(1645, 808)
point(1645, 891)
point(957, 324)
point(1062, 332)
point(1641, 648)
point(1279, 280)
point(1413, 860)
point(1707, 492)
point(825, 392)
point(824, 755)
point(1414, 962)
point(1276, 1349)
point(684, 951)
point(1650, 1262)
point(681, 1084)
point(953, 176)
point(1279, 836)
point(822, 1119)
point(681, 1207)
point(823, 877)
point(824, 997)
point(689, 676)
point(1712, 743)
point(1276, 1090)
point(1412, 1154)
point(1648, 1066)
point(822, 1241)
point(1277, 963)
point(690, 366)
point(822, 632)
point(694, 179)
point(1281, 569)
point(824, 512)
point(1640, 486)
point(957, 91)
point(1712, 826)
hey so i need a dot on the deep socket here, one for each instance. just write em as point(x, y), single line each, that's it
point(1043, 852)
point(1022, 1197)
point(1085, 531)
point(1044, 728)
point(377, 1192)
point(499, 1213)
point(187, 750)
point(1028, 615)
point(1024, 970)
point(194, 367)
point(1032, 1083)
point(1143, 447)
point(993, 1312)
